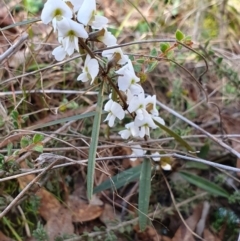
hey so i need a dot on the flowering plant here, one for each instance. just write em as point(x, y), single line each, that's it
point(76, 24)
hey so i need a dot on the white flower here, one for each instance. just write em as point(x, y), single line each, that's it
point(76, 4)
point(115, 110)
point(144, 125)
point(55, 10)
point(155, 156)
point(109, 53)
point(127, 77)
point(150, 102)
point(69, 32)
point(86, 12)
point(108, 39)
point(166, 167)
point(136, 90)
point(137, 105)
point(90, 70)
point(87, 15)
point(98, 22)
point(137, 151)
point(131, 129)
point(159, 120)
point(59, 53)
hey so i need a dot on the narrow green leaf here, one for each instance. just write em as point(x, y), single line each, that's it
point(144, 193)
point(37, 138)
point(120, 179)
point(94, 144)
point(62, 120)
point(197, 165)
point(179, 35)
point(25, 22)
point(204, 184)
point(175, 136)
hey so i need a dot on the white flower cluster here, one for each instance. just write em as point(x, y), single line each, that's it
point(70, 19)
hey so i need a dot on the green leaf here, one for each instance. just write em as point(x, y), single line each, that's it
point(34, 6)
point(179, 47)
point(25, 22)
point(187, 40)
point(120, 179)
point(137, 67)
point(141, 61)
point(63, 120)
point(204, 151)
point(202, 154)
point(25, 141)
point(144, 193)
point(38, 148)
point(16, 153)
point(14, 114)
point(219, 60)
point(179, 35)
point(9, 148)
point(204, 184)
point(2, 161)
point(164, 47)
point(15, 124)
point(197, 165)
point(94, 144)
point(154, 52)
point(175, 136)
point(37, 138)
point(151, 66)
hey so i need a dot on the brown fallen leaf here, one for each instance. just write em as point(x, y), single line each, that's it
point(150, 234)
point(3, 237)
point(59, 224)
point(49, 205)
point(82, 211)
point(109, 215)
point(209, 236)
point(183, 234)
point(58, 218)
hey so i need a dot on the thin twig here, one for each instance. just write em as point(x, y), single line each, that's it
point(54, 91)
point(14, 48)
point(26, 155)
point(53, 149)
point(78, 55)
point(219, 142)
point(83, 162)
